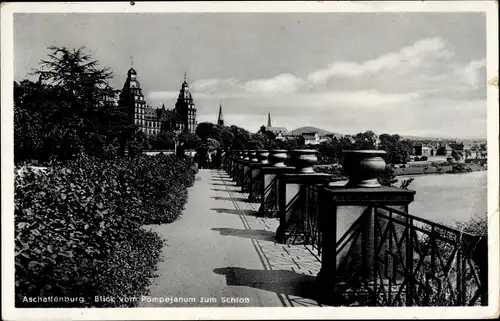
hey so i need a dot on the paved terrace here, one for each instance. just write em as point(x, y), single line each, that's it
point(220, 250)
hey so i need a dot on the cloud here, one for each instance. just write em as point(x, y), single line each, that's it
point(471, 72)
point(213, 85)
point(283, 83)
point(408, 57)
point(158, 95)
point(418, 68)
point(406, 91)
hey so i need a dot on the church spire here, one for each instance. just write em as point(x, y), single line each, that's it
point(220, 120)
point(269, 119)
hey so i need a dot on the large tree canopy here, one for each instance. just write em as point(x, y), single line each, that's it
point(398, 150)
point(69, 110)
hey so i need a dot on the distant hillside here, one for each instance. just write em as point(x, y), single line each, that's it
point(309, 129)
point(322, 132)
point(409, 137)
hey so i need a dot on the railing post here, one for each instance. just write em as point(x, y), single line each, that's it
point(480, 257)
point(292, 194)
point(270, 178)
point(409, 263)
point(257, 177)
point(327, 276)
point(354, 214)
point(253, 169)
point(247, 171)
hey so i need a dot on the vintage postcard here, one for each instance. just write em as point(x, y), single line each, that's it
point(250, 160)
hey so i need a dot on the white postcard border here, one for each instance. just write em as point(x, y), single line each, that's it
point(10, 313)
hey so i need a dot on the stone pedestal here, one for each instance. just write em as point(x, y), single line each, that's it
point(269, 189)
point(291, 201)
point(246, 176)
point(255, 182)
point(350, 247)
point(240, 172)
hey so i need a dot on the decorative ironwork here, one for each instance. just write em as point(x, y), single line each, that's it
point(291, 229)
point(312, 216)
point(415, 262)
point(301, 218)
point(269, 206)
point(246, 181)
point(256, 187)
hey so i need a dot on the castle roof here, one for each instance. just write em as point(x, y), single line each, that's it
point(276, 130)
point(184, 93)
point(131, 81)
point(131, 71)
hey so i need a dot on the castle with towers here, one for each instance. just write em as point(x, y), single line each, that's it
point(152, 121)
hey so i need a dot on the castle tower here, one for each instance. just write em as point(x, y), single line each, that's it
point(220, 120)
point(269, 119)
point(185, 108)
point(132, 100)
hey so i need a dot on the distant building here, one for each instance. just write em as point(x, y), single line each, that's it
point(220, 119)
point(311, 138)
point(423, 150)
point(113, 99)
point(150, 120)
point(448, 150)
point(275, 130)
point(331, 137)
point(185, 109)
point(132, 102)
point(280, 136)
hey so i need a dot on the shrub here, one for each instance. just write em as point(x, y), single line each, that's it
point(335, 170)
point(78, 227)
point(162, 181)
point(461, 168)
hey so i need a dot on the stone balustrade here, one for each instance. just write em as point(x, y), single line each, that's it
point(362, 232)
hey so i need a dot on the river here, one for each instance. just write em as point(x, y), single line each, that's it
point(448, 198)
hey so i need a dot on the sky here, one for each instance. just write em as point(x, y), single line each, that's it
point(408, 73)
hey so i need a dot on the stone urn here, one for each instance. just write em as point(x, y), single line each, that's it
point(277, 157)
point(253, 156)
point(246, 155)
point(262, 155)
point(304, 159)
point(363, 167)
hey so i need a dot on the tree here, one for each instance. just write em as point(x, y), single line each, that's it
point(164, 140)
point(137, 143)
point(206, 130)
point(68, 109)
point(456, 154)
point(241, 137)
point(398, 150)
point(387, 177)
point(366, 140)
point(227, 137)
point(189, 140)
point(441, 151)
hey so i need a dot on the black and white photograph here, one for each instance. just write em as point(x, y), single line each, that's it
point(330, 157)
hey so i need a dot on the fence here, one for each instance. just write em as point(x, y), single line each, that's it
point(386, 256)
point(410, 262)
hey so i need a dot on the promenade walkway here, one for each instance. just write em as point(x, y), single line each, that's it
point(219, 253)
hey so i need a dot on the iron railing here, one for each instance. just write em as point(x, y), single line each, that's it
point(311, 217)
point(415, 262)
point(247, 179)
point(256, 187)
point(269, 205)
point(301, 218)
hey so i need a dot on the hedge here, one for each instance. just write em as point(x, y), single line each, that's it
point(78, 228)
